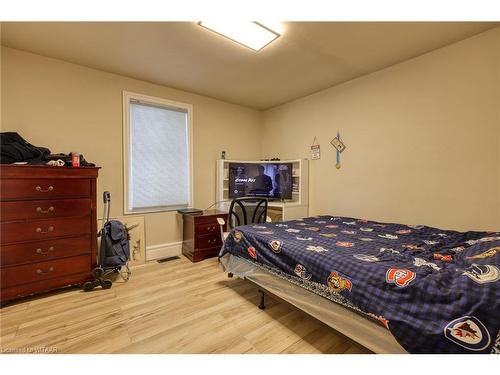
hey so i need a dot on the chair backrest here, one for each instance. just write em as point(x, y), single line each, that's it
point(247, 210)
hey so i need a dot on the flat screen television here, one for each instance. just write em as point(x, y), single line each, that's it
point(269, 180)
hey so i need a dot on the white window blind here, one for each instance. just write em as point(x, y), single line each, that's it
point(158, 157)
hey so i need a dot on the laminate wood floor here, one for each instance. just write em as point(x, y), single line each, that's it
point(170, 307)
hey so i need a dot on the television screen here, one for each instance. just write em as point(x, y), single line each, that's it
point(270, 180)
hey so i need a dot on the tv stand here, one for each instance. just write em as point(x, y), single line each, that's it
point(278, 209)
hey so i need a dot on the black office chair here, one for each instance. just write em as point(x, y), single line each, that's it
point(244, 211)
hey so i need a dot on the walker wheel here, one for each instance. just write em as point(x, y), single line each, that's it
point(97, 272)
point(88, 286)
point(106, 284)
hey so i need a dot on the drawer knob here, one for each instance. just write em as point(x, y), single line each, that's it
point(212, 241)
point(42, 272)
point(40, 250)
point(39, 188)
point(49, 229)
point(40, 210)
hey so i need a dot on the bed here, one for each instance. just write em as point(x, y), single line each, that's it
point(391, 287)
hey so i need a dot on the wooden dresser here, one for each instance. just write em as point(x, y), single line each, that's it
point(48, 228)
point(201, 235)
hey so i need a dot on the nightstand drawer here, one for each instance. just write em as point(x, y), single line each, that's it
point(44, 188)
point(206, 242)
point(44, 229)
point(44, 209)
point(210, 228)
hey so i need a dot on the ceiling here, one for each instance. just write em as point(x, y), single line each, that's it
point(308, 57)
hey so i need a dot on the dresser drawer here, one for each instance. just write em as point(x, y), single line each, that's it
point(206, 242)
point(43, 188)
point(25, 290)
point(43, 209)
point(36, 272)
point(44, 229)
point(44, 250)
point(210, 228)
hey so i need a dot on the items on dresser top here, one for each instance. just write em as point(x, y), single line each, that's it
point(201, 236)
point(15, 149)
point(48, 228)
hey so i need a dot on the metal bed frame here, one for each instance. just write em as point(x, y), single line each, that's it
point(344, 321)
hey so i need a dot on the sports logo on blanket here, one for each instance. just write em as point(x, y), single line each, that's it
point(366, 229)
point(332, 226)
point(486, 254)
point(275, 246)
point(484, 239)
point(400, 277)
point(403, 231)
point(458, 249)
point(314, 229)
point(388, 236)
point(301, 271)
point(410, 246)
point(252, 252)
point(238, 236)
point(415, 226)
point(301, 238)
point(381, 319)
point(337, 283)
point(468, 332)
point(348, 232)
point(482, 273)
point(328, 235)
point(444, 258)
point(316, 249)
point(349, 222)
point(366, 258)
point(419, 262)
point(344, 244)
point(292, 230)
point(431, 242)
point(389, 250)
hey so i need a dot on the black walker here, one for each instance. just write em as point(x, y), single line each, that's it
point(114, 252)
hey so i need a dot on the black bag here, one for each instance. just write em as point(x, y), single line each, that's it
point(114, 251)
point(15, 148)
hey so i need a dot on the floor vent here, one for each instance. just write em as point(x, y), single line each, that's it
point(167, 259)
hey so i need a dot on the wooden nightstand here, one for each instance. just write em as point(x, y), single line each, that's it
point(201, 235)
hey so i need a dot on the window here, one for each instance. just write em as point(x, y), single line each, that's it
point(157, 154)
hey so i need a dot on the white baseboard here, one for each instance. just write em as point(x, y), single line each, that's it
point(164, 250)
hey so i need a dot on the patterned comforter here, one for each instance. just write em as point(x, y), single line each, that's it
point(437, 291)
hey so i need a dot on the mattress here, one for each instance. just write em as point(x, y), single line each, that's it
point(435, 291)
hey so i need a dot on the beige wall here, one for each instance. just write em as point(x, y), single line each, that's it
point(423, 139)
point(68, 107)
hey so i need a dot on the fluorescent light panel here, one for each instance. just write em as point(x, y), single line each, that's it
point(250, 34)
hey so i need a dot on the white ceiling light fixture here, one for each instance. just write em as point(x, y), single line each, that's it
point(253, 35)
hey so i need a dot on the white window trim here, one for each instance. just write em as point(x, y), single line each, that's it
point(127, 96)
